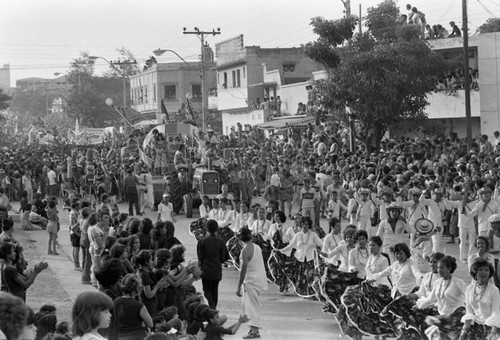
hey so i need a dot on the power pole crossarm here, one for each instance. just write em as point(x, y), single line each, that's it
point(201, 35)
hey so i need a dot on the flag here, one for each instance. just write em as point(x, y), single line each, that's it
point(164, 109)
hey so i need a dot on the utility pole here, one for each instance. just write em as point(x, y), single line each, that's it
point(117, 65)
point(465, 35)
point(352, 142)
point(201, 35)
point(359, 22)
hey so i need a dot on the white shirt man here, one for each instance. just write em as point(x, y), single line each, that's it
point(166, 209)
point(52, 176)
point(484, 209)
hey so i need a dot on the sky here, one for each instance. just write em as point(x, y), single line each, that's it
point(41, 37)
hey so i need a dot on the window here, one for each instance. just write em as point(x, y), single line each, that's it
point(224, 85)
point(244, 71)
point(196, 91)
point(238, 78)
point(170, 93)
point(154, 93)
point(145, 93)
point(288, 67)
point(234, 78)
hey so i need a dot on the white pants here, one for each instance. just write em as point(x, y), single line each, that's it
point(251, 305)
point(365, 224)
point(463, 233)
point(436, 241)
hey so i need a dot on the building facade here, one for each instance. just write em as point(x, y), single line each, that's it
point(170, 82)
point(241, 86)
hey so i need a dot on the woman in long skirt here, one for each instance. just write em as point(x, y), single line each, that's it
point(279, 264)
point(302, 274)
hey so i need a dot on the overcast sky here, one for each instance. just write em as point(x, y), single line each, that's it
point(40, 37)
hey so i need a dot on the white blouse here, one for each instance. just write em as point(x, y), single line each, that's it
point(358, 258)
point(376, 264)
point(330, 242)
point(404, 276)
point(343, 251)
point(304, 243)
point(426, 284)
point(261, 227)
point(447, 294)
point(482, 305)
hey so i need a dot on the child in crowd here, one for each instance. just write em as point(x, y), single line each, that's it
point(25, 219)
point(214, 329)
point(52, 228)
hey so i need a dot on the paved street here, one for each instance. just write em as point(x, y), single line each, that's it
point(284, 316)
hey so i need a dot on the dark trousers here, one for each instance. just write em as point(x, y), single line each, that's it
point(86, 263)
point(211, 291)
point(133, 200)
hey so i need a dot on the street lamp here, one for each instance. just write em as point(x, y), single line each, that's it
point(159, 51)
point(113, 65)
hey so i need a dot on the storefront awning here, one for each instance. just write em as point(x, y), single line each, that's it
point(289, 122)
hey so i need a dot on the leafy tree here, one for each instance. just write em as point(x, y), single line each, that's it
point(377, 79)
point(86, 100)
point(491, 25)
point(4, 99)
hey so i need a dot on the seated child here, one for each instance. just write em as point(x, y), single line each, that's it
point(26, 224)
point(214, 329)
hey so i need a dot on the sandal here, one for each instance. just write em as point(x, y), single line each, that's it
point(251, 335)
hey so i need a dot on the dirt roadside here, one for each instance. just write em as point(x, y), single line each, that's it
point(46, 289)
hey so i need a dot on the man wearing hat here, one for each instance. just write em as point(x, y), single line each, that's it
point(484, 209)
point(415, 209)
point(437, 208)
point(392, 229)
point(365, 210)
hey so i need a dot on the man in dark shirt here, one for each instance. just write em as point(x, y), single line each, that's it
point(212, 253)
point(130, 187)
